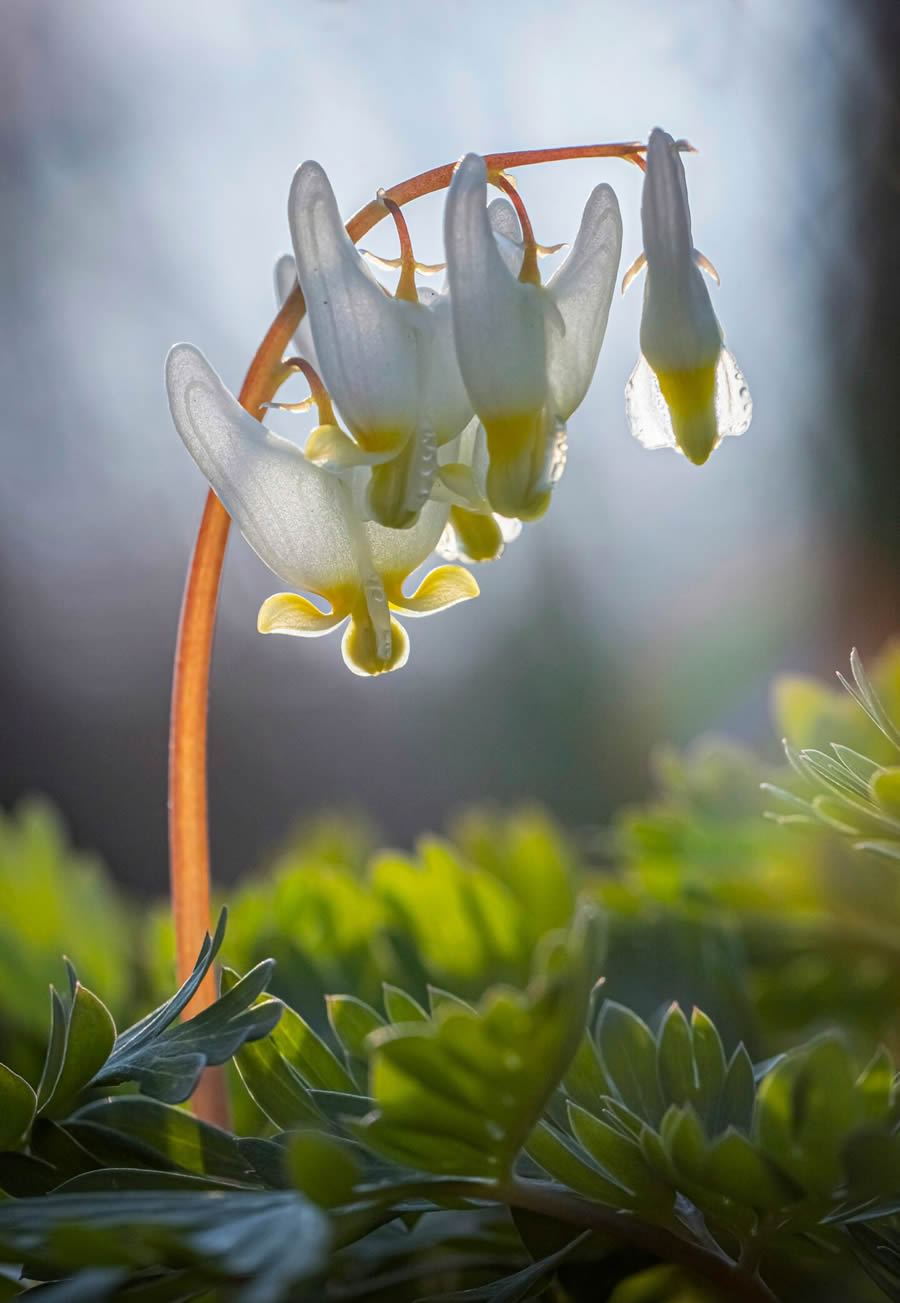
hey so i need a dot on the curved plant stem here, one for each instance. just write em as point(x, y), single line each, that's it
point(188, 825)
point(734, 1279)
point(738, 1280)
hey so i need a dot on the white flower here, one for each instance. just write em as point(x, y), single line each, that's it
point(527, 352)
point(388, 362)
point(302, 522)
point(686, 391)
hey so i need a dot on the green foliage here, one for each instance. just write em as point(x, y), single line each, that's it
point(55, 901)
point(472, 1115)
point(857, 795)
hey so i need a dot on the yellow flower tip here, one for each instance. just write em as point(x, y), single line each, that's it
point(399, 489)
point(291, 614)
point(519, 478)
point(479, 534)
point(691, 399)
point(362, 653)
point(440, 589)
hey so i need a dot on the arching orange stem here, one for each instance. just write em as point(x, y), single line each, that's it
point(188, 824)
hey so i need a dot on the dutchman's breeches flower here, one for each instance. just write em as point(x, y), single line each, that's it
point(302, 522)
point(686, 391)
point(388, 362)
point(526, 352)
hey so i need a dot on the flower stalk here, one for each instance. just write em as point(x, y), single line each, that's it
point(188, 821)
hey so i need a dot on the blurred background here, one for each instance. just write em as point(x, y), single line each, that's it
point(146, 154)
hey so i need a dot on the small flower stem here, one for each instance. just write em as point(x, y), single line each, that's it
point(188, 823)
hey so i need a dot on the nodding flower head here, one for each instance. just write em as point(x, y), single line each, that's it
point(686, 391)
point(388, 361)
point(303, 522)
point(526, 351)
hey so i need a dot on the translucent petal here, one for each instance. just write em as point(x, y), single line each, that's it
point(360, 653)
point(665, 211)
point(295, 516)
point(397, 552)
point(582, 289)
point(439, 589)
point(367, 342)
point(329, 447)
point(285, 279)
point(507, 232)
point(734, 406)
point(288, 613)
point(447, 405)
point(498, 321)
point(649, 417)
point(471, 536)
point(679, 330)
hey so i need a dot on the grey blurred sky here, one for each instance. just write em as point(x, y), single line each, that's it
point(147, 151)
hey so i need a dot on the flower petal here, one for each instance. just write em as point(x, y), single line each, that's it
point(448, 407)
point(285, 280)
point(292, 514)
point(665, 211)
point(508, 233)
point(288, 613)
point(329, 447)
point(649, 415)
point(679, 330)
point(440, 589)
point(498, 321)
point(473, 536)
point(367, 342)
point(582, 289)
point(360, 652)
point(397, 552)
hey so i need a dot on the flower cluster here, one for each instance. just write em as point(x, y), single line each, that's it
point(453, 404)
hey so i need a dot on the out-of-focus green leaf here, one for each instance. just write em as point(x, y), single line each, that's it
point(459, 1094)
point(628, 1055)
point(400, 1006)
point(464, 921)
point(323, 1168)
point(620, 1159)
point(263, 1242)
point(17, 1107)
point(352, 1020)
point(806, 1108)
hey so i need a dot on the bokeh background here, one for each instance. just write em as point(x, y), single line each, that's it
point(146, 153)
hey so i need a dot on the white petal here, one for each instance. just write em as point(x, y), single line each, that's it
point(734, 406)
point(293, 515)
point(366, 341)
point(397, 552)
point(582, 289)
point(648, 414)
point(285, 280)
point(646, 409)
point(447, 405)
point(665, 212)
point(679, 330)
point(498, 321)
point(507, 232)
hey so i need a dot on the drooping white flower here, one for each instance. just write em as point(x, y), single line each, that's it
point(527, 352)
point(302, 522)
point(686, 391)
point(388, 362)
